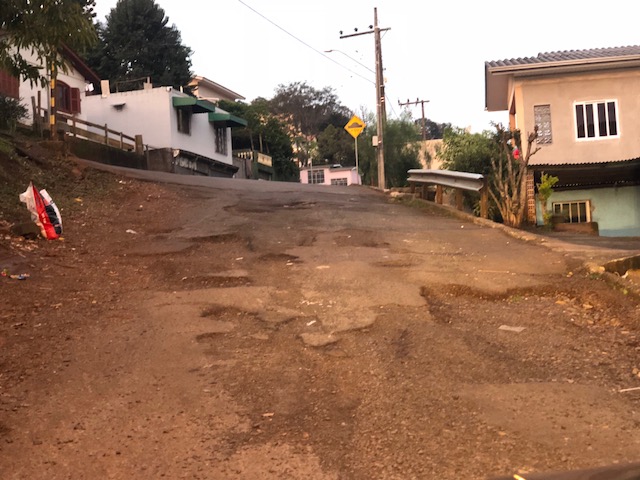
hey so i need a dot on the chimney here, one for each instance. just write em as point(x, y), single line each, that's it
point(104, 86)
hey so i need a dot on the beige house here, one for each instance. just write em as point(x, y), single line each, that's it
point(586, 105)
point(206, 89)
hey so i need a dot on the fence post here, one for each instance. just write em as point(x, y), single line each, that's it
point(36, 113)
point(139, 145)
point(484, 200)
point(439, 194)
point(106, 134)
point(74, 126)
point(459, 199)
point(121, 141)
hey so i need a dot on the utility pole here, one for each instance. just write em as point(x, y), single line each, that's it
point(381, 108)
point(424, 125)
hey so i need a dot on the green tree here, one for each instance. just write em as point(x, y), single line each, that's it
point(463, 151)
point(433, 130)
point(42, 27)
point(400, 151)
point(335, 145)
point(309, 110)
point(468, 152)
point(545, 190)
point(265, 133)
point(11, 112)
point(137, 42)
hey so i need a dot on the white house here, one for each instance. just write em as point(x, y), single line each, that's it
point(73, 86)
point(330, 175)
point(194, 134)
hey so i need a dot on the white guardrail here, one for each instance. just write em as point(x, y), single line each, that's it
point(449, 179)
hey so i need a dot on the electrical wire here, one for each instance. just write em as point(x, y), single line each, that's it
point(305, 43)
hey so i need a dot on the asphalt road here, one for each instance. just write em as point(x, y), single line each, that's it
point(230, 329)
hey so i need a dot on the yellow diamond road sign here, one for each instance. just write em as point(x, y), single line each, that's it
point(355, 126)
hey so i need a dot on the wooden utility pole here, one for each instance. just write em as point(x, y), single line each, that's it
point(424, 124)
point(381, 108)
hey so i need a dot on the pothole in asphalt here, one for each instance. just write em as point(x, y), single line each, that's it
point(359, 238)
point(299, 205)
point(279, 257)
point(221, 312)
point(216, 281)
point(395, 264)
point(219, 238)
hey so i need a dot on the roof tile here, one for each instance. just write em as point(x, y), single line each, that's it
point(569, 55)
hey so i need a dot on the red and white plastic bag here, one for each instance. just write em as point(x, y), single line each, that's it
point(44, 211)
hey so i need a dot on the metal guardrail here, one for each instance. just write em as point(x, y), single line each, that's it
point(449, 179)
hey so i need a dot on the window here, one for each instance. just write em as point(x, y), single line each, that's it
point(315, 176)
point(542, 118)
point(597, 119)
point(67, 98)
point(221, 140)
point(184, 121)
point(339, 181)
point(573, 212)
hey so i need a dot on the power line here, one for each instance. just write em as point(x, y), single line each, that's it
point(303, 42)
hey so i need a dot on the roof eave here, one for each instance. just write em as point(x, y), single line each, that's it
point(204, 81)
point(496, 77)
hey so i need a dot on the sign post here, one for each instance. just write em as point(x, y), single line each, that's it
point(355, 126)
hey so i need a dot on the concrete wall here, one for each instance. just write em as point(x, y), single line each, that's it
point(160, 160)
point(616, 210)
point(140, 112)
point(561, 93)
point(429, 148)
point(104, 154)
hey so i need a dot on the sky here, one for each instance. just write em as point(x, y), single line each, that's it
point(432, 51)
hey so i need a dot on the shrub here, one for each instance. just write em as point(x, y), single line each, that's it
point(11, 112)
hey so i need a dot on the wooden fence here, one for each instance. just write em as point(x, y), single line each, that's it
point(100, 133)
point(71, 125)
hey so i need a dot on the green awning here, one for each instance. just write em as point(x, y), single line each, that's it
point(224, 119)
point(194, 104)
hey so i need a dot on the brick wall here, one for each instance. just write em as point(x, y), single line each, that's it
point(530, 214)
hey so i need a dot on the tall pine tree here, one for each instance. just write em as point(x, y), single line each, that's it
point(137, 42)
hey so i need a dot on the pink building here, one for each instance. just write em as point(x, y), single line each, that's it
point(330, 175)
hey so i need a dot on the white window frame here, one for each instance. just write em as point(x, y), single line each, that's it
point(572, 203)
point(343, 182)
point(596, 120)
point(314, 175)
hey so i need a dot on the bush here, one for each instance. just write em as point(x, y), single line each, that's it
point(11, 112)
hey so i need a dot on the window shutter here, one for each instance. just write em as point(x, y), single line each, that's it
point(75, 100)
